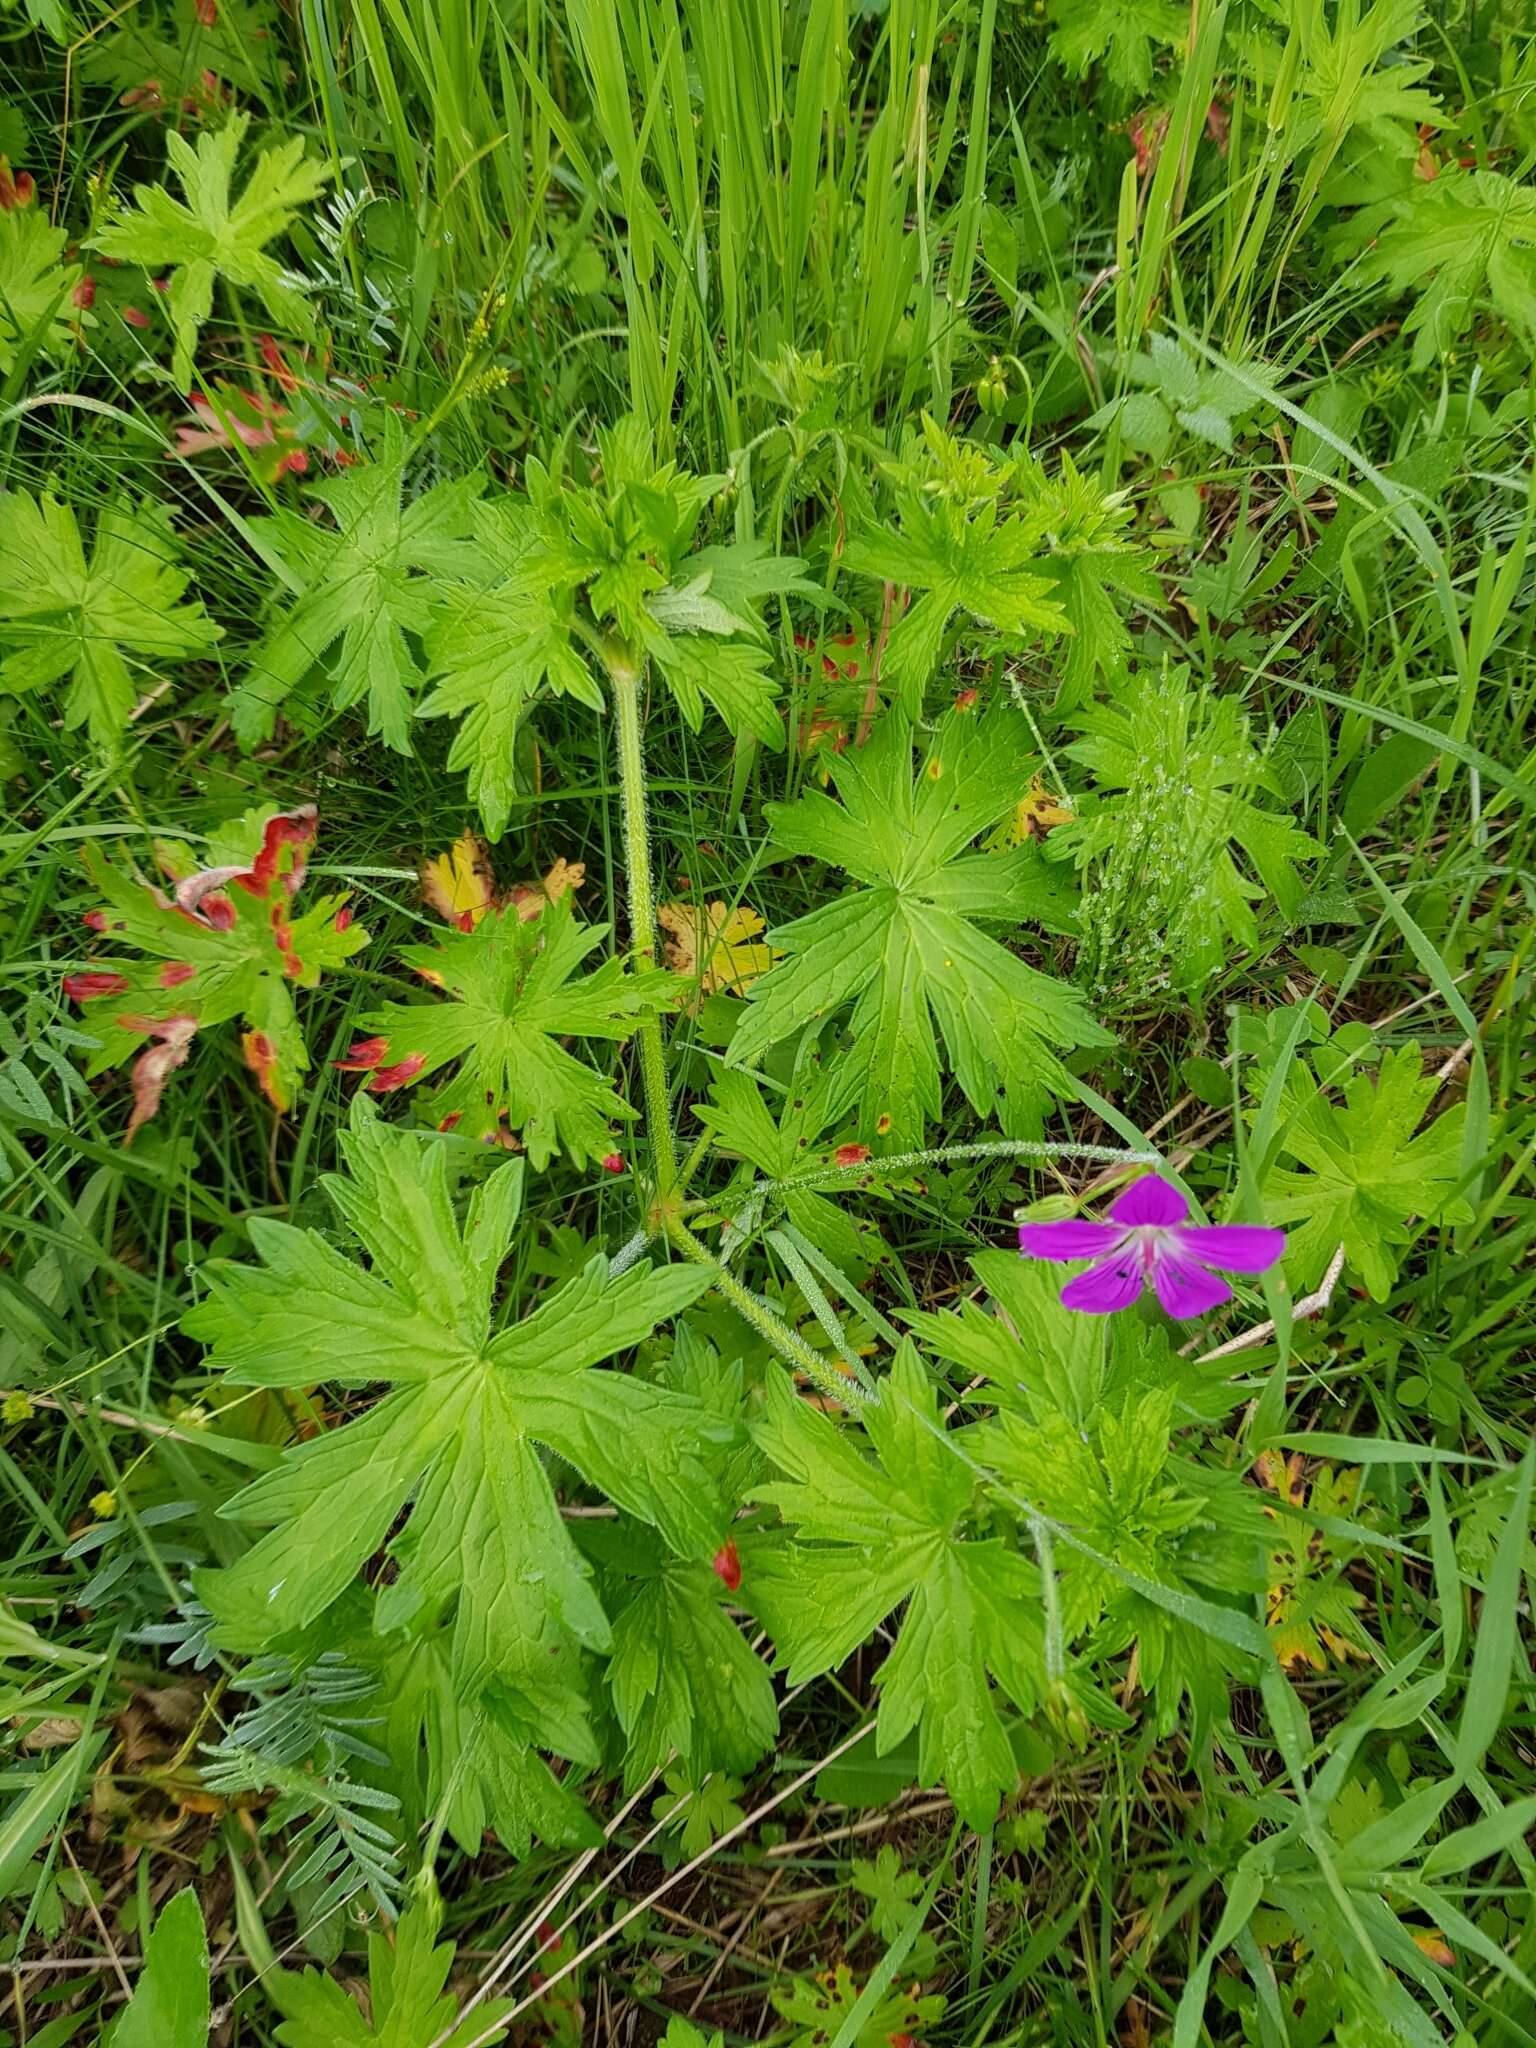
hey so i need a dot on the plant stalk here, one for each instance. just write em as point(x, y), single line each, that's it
point(624, 676)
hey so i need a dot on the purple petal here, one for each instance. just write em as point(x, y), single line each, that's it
point(1150, 1200)
point(1071, 1240)
point(1184, 1288)
point(1114, 1283)
point(1232, 1247)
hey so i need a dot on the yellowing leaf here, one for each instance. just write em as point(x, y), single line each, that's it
point(564, 879)
point(458, 884)
point(715, 945)
point(460, 887)
point(1311, 1609)
point(1033, 816)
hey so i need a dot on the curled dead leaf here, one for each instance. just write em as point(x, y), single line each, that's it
point(171, 1041)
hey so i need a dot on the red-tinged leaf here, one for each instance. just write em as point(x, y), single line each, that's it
point(459, 885)
point(850, 1155)
point(387, 1079)
point(260, 1057)
point(282, 938)
point(218, 913)
point(364, 1056)
point(272, 355)
point(16, 187)
point(230, 951)
point(726, 1565)
point(95, 920)
point(289, 831)
point(90, 988)
point(343, 919)
point(613, 1162)
point(172, 1038)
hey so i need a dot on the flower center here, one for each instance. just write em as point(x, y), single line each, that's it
point(1148, 1241)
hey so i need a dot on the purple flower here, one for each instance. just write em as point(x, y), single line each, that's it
point(1147, 1240)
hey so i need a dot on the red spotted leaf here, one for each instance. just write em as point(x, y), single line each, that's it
point(498, 1047)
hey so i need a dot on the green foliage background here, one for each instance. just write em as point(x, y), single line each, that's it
point(532, 1472)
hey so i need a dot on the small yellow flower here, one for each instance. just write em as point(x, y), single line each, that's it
point(16, 1408)
point(103, 1505)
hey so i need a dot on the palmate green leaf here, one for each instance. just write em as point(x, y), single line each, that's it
point(696, 1814)
point(472, 1756)
point(874, 1535)
point(905, 946)
point(681, 1675)
point(406, 1980)
point(36, 306)
point(788, 1133)
point(974, 559)
point(1180, 388)
point(1115, 1481)
point(1094, 561)
point(514, 995)
point(213, 235)
point(1356, 101)
point(821, 2008)
point(704, 633)
point(730, 675)
point(1042, 1361)
point(367, 583)
point(1368, 1176)
point(106, 621)
point(502, 634)
point(458, 1436)
point(694, 612)
point(1124, 34)
point(1458, 241)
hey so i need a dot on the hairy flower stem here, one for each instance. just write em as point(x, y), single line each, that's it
point(625, 677)
point(872, 1172)
point(789, 1344)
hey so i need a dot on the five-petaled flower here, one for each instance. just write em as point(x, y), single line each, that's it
point(1147, 1242)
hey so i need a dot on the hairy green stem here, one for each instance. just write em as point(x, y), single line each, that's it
point(789, 1344)
point(870, 1172)
point(624, 675)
